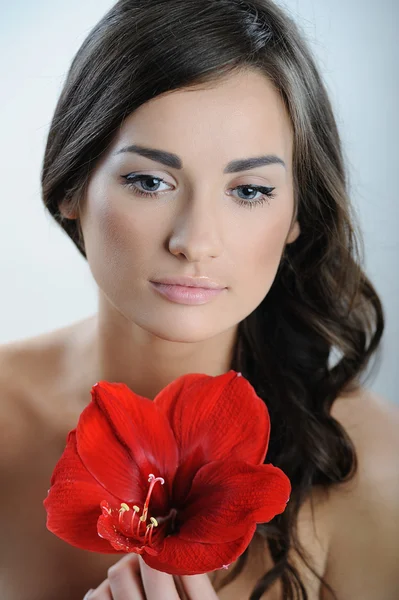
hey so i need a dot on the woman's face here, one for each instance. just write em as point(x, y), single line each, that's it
point(200, 222)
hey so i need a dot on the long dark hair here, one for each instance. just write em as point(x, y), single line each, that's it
point(321, 300)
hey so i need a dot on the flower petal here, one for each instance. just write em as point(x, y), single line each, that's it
point(227, 497)
point(180, 557)
point(73, 502)
point(214, 418)
point(122, 438)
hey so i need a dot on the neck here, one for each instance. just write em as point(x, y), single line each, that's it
point(118, 350)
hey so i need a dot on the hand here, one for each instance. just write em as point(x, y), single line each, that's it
point(132, 579)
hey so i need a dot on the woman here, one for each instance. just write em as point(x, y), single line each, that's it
point(195, 139)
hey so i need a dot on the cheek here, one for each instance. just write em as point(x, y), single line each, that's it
point(260, 253)
point(270, 248)
point(118, 243)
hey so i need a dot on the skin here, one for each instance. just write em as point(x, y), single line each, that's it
point(195, 227)
point(132, 579)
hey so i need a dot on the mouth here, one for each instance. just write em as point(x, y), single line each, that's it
point(182, 294)
point(198, 282)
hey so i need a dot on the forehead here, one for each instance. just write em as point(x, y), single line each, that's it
point(240, 114)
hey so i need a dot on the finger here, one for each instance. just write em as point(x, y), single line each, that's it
point(157, 584)
point(125, 579)
point(180, 589)
point(198, 587)
point(102, 592)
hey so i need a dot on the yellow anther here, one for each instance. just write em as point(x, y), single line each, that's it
point(136, 508)
point(124, 508)
point(154, 522)
point(142, 518)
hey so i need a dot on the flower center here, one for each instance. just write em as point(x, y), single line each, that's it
point(137, 526)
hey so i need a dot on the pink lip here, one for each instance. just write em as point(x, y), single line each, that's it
point(186, 295)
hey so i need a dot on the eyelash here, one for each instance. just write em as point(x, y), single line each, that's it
point(267, 192)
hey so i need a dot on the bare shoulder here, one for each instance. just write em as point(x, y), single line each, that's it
point(359, 408)
point(363, 544)
point(371, 422)
point(14, 401)
point(30, 373)
point(21, 367)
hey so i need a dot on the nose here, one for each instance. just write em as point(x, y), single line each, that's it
point(196, 231)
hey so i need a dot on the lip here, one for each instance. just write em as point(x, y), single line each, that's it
point(198, 282)
point(186, 295)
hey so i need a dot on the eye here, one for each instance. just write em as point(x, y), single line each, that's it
point(131, 181)
point(266, 193)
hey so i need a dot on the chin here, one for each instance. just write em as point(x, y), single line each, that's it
point(185, 331)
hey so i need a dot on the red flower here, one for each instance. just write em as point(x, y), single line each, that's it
point(179, 479)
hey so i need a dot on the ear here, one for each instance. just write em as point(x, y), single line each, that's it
point(66, 210)
point(294, 233)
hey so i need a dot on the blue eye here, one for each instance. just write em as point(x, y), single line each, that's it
point(266, 195)
point(131, 182)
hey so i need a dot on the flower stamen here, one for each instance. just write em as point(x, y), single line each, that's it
point(136, 510)
point(146, 536)
point(154, 523)
point(148, 531)
point(124, 508)
point(143, 518)
point(153, 481)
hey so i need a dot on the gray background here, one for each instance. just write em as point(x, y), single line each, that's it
point(45, 284)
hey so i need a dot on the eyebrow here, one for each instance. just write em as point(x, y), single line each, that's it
point(175, 162)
